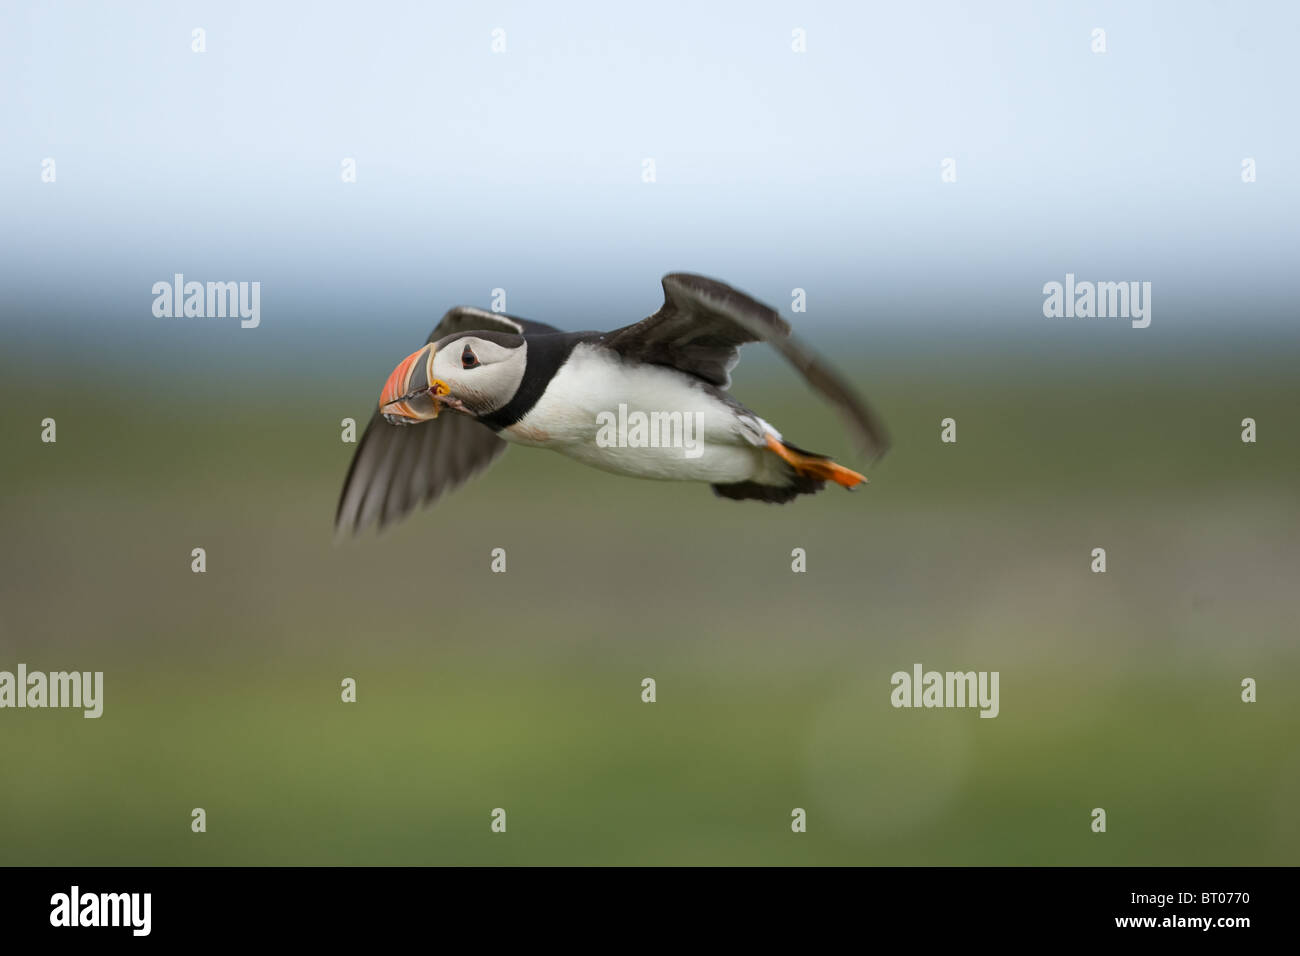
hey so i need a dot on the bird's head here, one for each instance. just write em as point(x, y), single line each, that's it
point(471, 372)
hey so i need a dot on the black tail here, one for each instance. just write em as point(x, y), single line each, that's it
point(806, 473)
point(772, 494)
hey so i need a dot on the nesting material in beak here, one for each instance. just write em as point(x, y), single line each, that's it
point(411, 393)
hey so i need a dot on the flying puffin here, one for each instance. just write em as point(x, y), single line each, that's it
point(648, 400)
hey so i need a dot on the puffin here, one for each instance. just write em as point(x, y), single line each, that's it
point(649, 400)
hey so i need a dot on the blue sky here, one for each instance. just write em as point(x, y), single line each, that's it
point(522, 169)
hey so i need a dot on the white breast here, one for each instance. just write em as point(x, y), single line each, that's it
point(646, 421)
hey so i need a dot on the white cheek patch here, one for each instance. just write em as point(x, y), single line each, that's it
point(489, 353)
point(489, 385)
point(440, 367)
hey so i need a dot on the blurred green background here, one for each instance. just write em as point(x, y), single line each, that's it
point(522, 690)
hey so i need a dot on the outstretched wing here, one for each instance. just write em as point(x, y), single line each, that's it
point(398, 468)
point(465, 318)
point(700, 329)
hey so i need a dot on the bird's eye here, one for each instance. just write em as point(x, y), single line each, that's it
point(468, 359)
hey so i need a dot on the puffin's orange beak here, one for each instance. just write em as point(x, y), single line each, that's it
point(411, 393)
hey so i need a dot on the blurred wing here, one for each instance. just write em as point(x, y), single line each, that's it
point(700, 328)
point(398, 468)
